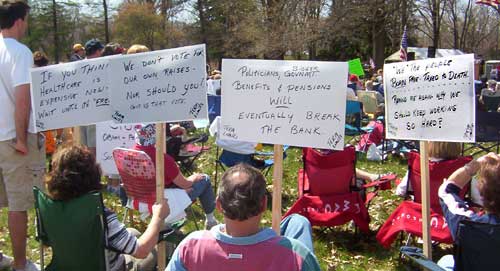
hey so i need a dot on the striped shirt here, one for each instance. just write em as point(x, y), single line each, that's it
point(265, 251)
point(120, 241)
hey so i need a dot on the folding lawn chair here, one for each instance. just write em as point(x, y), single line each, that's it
point(186, 159)
point(214, 103)
point(408, 215)
point(491, 104)
point(477, 248)
point(138, 175)
point(353, 116)
point(75, 230)
point(229, 159)
point(328, 194)
point(487, 133)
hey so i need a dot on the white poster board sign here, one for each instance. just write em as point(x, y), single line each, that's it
point(108, 137)
point(158, 86)
point(298, 103)
point(70, 94)
point(431, 99)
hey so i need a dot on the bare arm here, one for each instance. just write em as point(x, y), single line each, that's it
point(464, 174)
point(186, 183)
point(22, 116)
point(149, 238)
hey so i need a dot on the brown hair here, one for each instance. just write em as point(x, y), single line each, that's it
point(74, 173)
point(445, 150)
point(242, 192)
point(489, 185)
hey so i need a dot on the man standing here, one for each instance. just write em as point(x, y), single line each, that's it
point(93, 49)
point(21, 150)
point(241, 244)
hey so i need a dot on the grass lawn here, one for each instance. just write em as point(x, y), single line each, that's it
point(339, 248)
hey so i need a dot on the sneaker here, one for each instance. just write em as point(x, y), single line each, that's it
point(5, 261)
point(210, 224)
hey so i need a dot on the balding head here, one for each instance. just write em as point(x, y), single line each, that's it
point(242, 192)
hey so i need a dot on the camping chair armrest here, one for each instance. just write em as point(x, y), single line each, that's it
point(383, 182)
point(172, 234)
point(416, 255)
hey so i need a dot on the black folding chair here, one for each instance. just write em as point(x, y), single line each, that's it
point(477, 248)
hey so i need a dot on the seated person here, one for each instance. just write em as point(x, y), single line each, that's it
point(235, 151)
point(241, 243)
point(197, 185)
point(438, 151)
point(492, 92)
point(455, 209)
point(75, 173)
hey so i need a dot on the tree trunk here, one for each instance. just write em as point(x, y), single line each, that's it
point(435, 23)
point(106, 22)
point(203, 21)
point(56, 34)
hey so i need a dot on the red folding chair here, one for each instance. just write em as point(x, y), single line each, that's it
point(408, 215)
point(328, 195)
point(138, 175)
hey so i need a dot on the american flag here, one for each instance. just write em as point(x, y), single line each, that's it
point(403, 51)
point(493, 3)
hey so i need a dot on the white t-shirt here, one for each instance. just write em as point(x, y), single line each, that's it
point(15, 61)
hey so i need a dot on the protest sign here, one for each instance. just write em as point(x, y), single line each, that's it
point(299, 103)
point(166, 85)
point(70, 94)
point(108, 137)
point(355, 67)
point(431, 99)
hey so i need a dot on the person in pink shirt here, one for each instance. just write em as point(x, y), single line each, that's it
point(242, 243)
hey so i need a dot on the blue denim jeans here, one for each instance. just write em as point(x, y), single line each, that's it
point(203, 190)
point(297, 227)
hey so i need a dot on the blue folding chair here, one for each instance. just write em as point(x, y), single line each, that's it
point(353, 112)
point(214, 102)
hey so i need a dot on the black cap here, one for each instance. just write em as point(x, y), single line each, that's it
point(93, 45)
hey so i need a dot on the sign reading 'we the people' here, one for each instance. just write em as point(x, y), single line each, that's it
point(299, 103)
point(431, 99)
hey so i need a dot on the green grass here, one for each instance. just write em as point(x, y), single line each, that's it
point(339, 248)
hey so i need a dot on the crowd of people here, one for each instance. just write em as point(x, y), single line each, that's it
point(241, 242)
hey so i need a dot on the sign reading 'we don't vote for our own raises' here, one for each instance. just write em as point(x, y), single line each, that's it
point(431, 99)
point(299, 103)
point(167, 85)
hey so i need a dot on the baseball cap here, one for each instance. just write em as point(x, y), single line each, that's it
point(77, 47)
point(93, 45)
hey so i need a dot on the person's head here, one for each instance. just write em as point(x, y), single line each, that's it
point(489, 185)
point(137, 48)
point(483, 78)
point(369, 85)
point(380, 72)
point(112, 48)
point(492, 84)
point(242, 193)
point(353, 78)
point(40, 59)
point(445, 150)
point(14, 17)
point(79, 49)
point(74, 173)
point(93, 48)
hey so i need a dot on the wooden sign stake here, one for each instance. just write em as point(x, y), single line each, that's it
point(426, 214)
point(277, 187)
point(160, 176)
